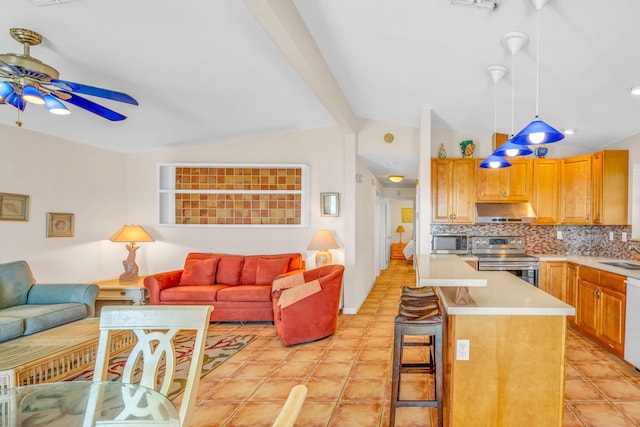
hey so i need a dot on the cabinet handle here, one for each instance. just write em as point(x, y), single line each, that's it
point(597, 292)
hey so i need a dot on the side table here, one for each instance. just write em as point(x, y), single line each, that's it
point(396, 250)
point(127, 291)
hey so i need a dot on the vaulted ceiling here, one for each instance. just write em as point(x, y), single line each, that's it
point(207, 70)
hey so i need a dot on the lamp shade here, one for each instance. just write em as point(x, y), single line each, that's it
point(400, 229)
point(32, 95)
point(495, 162)
point(537, 132)
point(131, 233)
point(54, 106)
point(5, 90)
point(509, 149)
point(396, 178)
point(323, 239)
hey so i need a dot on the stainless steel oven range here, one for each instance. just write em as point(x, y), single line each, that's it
point(505, 253)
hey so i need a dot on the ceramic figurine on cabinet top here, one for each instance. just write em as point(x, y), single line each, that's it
point(541, 151)
point(442, 153)
point(467, 148)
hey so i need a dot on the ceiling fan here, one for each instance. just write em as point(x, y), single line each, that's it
point(27, 79)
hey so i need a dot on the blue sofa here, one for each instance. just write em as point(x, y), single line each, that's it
point(27, 308)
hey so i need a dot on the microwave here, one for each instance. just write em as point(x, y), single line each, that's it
point(449, 244)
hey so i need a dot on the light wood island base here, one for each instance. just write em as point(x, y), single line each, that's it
point(514, 375)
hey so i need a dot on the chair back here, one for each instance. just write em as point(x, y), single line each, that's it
point(155, 327)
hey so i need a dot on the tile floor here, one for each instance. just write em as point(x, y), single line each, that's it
point(348, 374)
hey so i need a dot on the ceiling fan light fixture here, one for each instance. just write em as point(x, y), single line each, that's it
point(32, 95)
point(15, 101)
point(5, 90)
point(55, 107)
point(396, 178)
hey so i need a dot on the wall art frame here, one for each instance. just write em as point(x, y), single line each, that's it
point(407, 214)
point(330, 204)
point(60, 224)
point(14, 207)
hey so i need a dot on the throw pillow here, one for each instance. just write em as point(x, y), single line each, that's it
point(270, 268)
point(199, 271)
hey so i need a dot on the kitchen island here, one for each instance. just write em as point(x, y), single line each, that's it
point(514, 375)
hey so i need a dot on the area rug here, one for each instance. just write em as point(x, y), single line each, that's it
point(218, 349)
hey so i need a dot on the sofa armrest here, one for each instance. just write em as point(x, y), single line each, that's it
point(156, 283)
point(83, 293)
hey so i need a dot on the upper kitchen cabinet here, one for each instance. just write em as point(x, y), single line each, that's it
point(610, 178)
point(575, 190)
point(453, 186)
point(546, 187)
point(512, 184)
point(594, 188)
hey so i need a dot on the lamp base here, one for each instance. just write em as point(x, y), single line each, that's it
point(323, 257)
point(130, 266)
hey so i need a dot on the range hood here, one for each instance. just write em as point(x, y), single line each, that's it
point(504, 213)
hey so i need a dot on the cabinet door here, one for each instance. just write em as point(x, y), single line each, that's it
point(491, 185)
point(610, 187)
point(572, 289)
point(512, 184)
point(546, 187)
point(588, 307)
point(441, 190)
point(557, 282)
point(575, 190)
point(596, 189)
point(453, 183)
point(612, 321)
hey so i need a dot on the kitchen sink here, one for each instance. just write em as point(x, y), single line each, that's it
point(622, 264)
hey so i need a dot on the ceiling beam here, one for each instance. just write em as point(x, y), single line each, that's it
point(283, 23)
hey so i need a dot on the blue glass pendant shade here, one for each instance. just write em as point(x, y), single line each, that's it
point(537, 132)
point(509, 149)
point(495, 162)
point(16, 101)
point(32, 95)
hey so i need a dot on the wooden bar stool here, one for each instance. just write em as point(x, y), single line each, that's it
point(419, 314)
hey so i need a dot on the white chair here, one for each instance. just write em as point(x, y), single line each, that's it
point(291, 409)
point(155, 327)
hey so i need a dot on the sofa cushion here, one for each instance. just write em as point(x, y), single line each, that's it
point(199, 272)
point(15, 281)
point(245, 293)
point(268, 269)
point(10, 328)
point(229, 269)
point(190, 293)
point(38, 317)
point(250, 267)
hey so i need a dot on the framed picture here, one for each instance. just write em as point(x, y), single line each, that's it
point(407, 214)
point(59, 224)
point(14, 207)
point(329, 204)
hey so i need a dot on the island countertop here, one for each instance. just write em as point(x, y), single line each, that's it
point(503, 294)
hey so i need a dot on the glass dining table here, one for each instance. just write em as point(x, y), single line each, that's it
point(85, 403)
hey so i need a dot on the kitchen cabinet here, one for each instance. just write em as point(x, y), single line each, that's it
point(512, 184)
point(575, 190)
point(571, 275)
point(545, 190)
point(601, 305)
point(453, 185)
point(552, 279)
point(610, 177)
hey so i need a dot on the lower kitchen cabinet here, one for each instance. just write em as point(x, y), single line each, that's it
point(601, 305)
point(571, 276)
point(551, 279)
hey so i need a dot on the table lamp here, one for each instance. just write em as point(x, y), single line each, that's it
point(131, 234)
point(322, 241)
point(400, 230)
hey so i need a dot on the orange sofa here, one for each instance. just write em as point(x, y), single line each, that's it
point(237, 286)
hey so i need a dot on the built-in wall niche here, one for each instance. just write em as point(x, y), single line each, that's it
point(233, 195)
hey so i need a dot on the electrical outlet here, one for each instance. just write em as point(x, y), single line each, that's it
point(624, 236)
point(611, 235)
point(559, 234)
point(462, 350)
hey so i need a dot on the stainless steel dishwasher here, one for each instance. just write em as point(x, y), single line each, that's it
point(632, 327)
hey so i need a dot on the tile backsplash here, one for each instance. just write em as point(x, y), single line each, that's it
point(542, 239)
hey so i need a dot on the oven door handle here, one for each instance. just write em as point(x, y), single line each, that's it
point(505, 267)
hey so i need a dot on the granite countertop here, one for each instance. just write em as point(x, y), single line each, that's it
point(595, 262)
point(503, 293)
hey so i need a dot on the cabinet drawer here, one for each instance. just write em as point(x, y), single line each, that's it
point(589, 274)
point(613, 281)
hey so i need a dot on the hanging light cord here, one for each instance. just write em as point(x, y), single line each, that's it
point(537, 62)
point(513, 89)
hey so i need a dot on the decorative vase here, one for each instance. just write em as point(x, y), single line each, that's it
point(541, 151)
point(442, 153)
point(467, 148)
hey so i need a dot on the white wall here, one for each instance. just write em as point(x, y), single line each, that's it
point(66, 177)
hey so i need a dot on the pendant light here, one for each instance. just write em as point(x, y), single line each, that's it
point(495, 162)
point(497, 72)
point(538, 132)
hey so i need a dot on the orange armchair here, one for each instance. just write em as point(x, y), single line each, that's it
point(313, 316)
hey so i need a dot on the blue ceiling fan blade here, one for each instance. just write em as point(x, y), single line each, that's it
point(96, 91)
point(90, 106)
